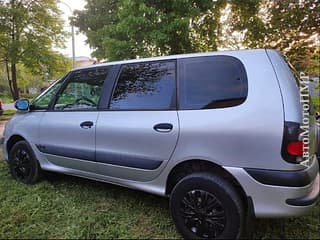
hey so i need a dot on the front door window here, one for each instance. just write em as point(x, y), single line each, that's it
point(82, 91)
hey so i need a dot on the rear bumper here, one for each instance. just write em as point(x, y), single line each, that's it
point(298, 178)
point(279, 200)
point(310, 199)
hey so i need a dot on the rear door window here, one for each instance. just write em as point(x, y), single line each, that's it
point(146, 86)
point(211, 82)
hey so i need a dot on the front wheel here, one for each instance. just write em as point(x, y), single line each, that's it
point(23, 165)
point(204, 206)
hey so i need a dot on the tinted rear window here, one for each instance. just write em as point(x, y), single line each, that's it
point(212, 82)
point(146, 86)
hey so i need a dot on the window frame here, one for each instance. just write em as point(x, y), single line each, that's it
point(180, 67)
point(174, 98)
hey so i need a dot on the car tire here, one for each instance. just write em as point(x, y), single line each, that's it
point(23, 165)
point(206, 206)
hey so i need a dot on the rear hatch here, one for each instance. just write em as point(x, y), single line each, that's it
point(300, 138)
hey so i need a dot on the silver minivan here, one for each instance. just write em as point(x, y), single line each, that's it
point(220, 133)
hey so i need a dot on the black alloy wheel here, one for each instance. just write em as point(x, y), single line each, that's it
point(206, 206)
point(23, 165)
point(204, 214)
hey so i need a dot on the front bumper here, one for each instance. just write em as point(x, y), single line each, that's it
point(278, 200)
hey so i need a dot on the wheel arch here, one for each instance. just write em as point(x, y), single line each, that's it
point(187, 167)
point(13, 140)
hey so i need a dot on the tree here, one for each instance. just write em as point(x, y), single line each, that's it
point(286, 25)
point(122, 29)
point(28, 30)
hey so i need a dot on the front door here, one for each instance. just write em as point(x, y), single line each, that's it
point(67, 129)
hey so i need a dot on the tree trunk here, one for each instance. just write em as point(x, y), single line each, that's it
point(15, 90)
point(8, 77)
point(14, 84)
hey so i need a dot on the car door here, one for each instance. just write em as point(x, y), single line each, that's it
point(138, 132)
point(67, 129)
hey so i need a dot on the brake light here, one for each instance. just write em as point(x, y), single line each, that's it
point(292, 148)
point(295, 148)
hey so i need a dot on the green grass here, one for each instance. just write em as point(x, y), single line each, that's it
point(69, 207)
point(7, 114)
point(6, 99)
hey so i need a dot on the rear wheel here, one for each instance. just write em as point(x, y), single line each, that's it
point(206, 206)
point(23, 165)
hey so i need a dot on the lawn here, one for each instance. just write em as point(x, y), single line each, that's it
point(7, 114)
point(69, 207)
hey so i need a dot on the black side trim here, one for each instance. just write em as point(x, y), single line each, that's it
point(298, 178)
point(104, 157)
point(78, 153)
point(306, 200)
point(128, 160)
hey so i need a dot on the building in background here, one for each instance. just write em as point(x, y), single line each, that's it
point(84, 61)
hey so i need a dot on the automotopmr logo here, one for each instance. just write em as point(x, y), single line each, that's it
point(305, 125)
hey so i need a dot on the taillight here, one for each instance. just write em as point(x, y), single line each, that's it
point(292, 147)
point(295, 148)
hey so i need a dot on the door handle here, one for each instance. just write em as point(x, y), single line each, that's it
point(163, 127)
point(86, 124)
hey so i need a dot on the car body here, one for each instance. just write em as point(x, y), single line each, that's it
point(148, 124)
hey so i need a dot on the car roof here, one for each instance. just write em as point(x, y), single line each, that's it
point(170, 57)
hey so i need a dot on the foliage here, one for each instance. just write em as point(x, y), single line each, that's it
point(286, 25)
point(7, 114)
point(138, 27)
point(28, 30)
point(316, 103)
point(313, 69)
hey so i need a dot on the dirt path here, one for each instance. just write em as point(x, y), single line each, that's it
point(2, 123)
point(8, 106)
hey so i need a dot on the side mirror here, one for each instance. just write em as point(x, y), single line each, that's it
point(22, 104)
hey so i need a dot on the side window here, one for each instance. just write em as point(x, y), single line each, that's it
point(42, 101)
point(146, 86)
point(212, 82)
point(83, 90)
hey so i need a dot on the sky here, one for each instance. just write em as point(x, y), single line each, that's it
point(81, 48)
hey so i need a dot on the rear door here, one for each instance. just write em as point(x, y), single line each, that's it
point(138, 132)
point(297, 103)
